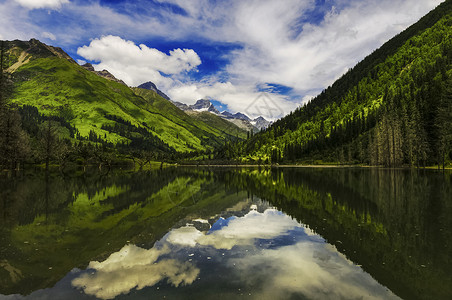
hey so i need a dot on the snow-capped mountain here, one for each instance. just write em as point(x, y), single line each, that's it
point(260, 123)
point(238, 115)
point(239, 119)
point(204, 105)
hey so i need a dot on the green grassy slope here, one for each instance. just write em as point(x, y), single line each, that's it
point(48, 79)
point(209, 127)
point(223, 125)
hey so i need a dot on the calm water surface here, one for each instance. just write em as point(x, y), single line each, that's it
point(228, 234)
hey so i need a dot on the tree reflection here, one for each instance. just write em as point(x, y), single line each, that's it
point(396, 223)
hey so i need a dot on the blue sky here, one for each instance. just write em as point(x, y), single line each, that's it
point(229, 51)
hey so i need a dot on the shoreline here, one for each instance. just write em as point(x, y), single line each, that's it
point(315, 166)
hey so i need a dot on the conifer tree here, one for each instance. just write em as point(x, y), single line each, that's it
point(14, 146)
point(444, 124)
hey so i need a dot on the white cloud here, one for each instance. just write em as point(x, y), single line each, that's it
point(15, 22)
point(133, 267)
point(137, 64)
point(276, 46)
point(319, 54)
point(275, 42)
point(34, 4)
point(48, 35)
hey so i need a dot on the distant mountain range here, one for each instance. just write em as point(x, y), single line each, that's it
point(204, 105)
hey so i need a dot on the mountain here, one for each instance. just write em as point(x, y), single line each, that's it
point(203, 111)
point(243, 121)
point(215, 121)
point(151, 86)
point(206, 128)
point(104, 73)
point(241, 116)
point(238, 119)
point(87, 105)
point(260, 123)
point(204, 105)
point(393, 108)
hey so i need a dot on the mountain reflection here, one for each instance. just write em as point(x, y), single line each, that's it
point(222, 233)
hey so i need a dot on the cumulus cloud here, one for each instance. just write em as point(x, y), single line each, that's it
point(133, 267)
point(136, 64)
point(34, 4)
point(280, 45)
point(275, 43)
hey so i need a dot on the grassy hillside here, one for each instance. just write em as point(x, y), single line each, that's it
point(393, 108)
point(225, 126)
point(48, 79)
point(207, 126)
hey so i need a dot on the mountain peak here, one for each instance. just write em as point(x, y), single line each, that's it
point(89, 67)
point(204, 105)
point(37, 49)
point(107, 75)
point(104, 73)
point(152, 87)
point(241, 116)
point(261, 123)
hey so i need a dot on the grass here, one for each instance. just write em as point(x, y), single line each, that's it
point(57, 86)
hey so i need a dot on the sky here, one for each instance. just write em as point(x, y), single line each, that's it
point(261, 57)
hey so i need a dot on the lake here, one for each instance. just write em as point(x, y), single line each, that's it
point(199, 233)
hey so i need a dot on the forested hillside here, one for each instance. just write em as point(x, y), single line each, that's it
point(393, 108)
point(53, 109)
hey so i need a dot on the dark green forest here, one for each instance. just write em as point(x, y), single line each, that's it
point(394, 108)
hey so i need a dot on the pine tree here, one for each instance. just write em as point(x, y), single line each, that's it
point(49, 142)
point(14, 146)
point(444, 124)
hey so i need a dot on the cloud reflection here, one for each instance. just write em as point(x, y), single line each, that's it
point(310, 270)
point(299, 262)
point(238, 231)
point(134, 267)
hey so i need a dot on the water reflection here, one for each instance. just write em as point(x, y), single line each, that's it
point(227, 233)
point(133, 267)
point(268, 253)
